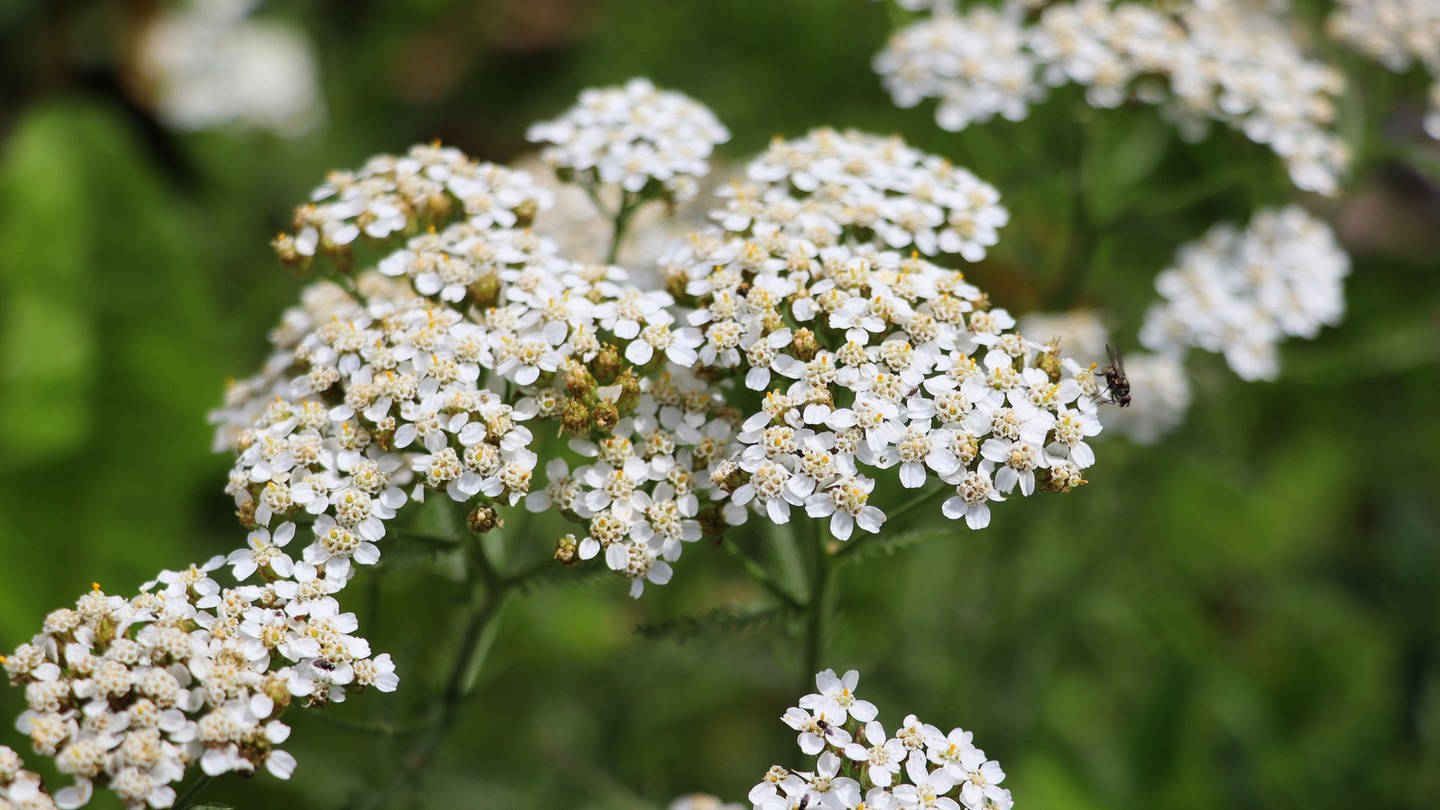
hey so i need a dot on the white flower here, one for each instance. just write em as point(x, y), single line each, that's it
point(633, 136)
point(971, 500)
point(882, 756)
point(264, 552)
point(837, 694)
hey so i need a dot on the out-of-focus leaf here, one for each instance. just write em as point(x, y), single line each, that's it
point(106, 362)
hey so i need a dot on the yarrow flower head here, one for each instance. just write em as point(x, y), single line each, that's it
point(1235, 63)
point(208, 63)
point(865, 360)
point(1398, 34)
point(636, 137)
point(857, 764)
point(1240, 292)
point(127, 694)
point(831, 187)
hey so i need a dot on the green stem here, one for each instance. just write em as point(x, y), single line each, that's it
point(758, 573)
point(187, 799)
point(628, 204)
point(488, 590)
point(815, 608)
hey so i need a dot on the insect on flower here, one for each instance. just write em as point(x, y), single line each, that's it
point(1117, 385)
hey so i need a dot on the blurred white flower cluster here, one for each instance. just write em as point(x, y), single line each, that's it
point(208, 64)
point(1240, 292)
point(20, 788)
point(128, 694)
point(859, 765)
point(1235, 63)
point(702, 801)
point(1398, 34)
point(633, 136)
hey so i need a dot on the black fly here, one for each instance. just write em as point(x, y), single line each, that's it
point(1117, 385)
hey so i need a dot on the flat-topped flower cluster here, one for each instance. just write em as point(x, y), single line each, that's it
point(859, 765)
point(1398, 34)
point(1234, 63)
point(799, 347)
point(128, 694)
point(1241, 291)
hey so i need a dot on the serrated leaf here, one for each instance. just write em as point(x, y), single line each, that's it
point(718, 622)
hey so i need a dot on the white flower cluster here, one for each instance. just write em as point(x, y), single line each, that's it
point(632, 137)
point(208, 64)
point(21, 789)
point(1241, 292)
point(399, 195)
point(1227, 62)
point(830, 187)
point(1397, 34)
point(867, 360)
point(363, 408)
point(128, 694)
point(877, 360)
point(859, 765)
point(977, 67)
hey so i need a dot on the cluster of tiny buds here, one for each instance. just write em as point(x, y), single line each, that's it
point(128, 694)
point(1235, 63)
point(859, 766)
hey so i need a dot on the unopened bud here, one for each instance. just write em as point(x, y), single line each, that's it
point(629, 392)
point(605, 416)
point(578, 382)
point(525, 213)
point(567, 551)
point(607, 364)
point(575, 418)
point(485, 291)
point(805, 344)
point(483, 519)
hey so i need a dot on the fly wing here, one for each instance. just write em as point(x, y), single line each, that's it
point(1117, 362)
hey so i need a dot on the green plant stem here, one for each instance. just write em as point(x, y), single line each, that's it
point(488, 591)
point(628, 204)
point(758, 573)
point(815, 608)
point(192, 793)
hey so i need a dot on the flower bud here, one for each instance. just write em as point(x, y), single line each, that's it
point(605, 416)
point(805, 344)
point(578, 382)
point(485, 291)
point(607, 364)
point(525, 213)
point(575, 418)
point(483, 519)
point(629, 391)
point(567, 550)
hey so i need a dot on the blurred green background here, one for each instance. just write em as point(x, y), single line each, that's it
point(1243, 615)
